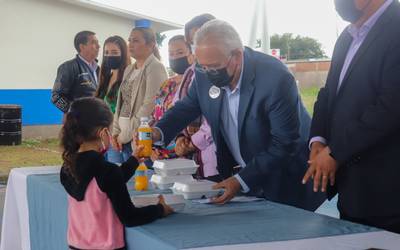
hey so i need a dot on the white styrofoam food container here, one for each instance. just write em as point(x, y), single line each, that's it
point(176, 202)
point(165, 182)
point(175, 167)
point(196, 189)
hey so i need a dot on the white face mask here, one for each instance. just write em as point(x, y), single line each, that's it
point(192, 47)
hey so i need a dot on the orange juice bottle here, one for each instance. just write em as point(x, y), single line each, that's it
point(144, 134)
point(141, 181)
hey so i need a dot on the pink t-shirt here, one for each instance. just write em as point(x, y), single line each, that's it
point(92, 223)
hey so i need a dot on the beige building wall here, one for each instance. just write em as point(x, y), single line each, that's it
point(310, 74)
point(37, 36)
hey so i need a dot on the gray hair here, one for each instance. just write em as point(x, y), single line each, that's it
point(226, 36)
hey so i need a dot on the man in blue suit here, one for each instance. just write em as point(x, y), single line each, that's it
point(256, 115)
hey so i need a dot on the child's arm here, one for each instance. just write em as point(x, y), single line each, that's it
point(113, 184)
point(128, 168)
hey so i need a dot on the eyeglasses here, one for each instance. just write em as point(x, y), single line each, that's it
point(211, 71)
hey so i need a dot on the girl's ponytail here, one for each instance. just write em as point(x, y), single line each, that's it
point(70, 143)
point(82, 122)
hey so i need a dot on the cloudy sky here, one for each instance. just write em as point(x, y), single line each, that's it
point(313, 18)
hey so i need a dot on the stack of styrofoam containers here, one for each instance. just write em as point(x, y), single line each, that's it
point(196, 189)
point(167, 172)
point(176, 174)
point(176, 202)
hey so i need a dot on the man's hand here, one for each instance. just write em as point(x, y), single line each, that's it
point(316, 148)
point(183, 146)
point(231, 186)
point(322, 167)
point(155, 155)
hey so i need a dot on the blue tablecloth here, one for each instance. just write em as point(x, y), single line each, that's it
point(199, 225)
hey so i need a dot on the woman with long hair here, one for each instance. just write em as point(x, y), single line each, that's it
point(115, 60)
point(140, 84)
point(180, 59)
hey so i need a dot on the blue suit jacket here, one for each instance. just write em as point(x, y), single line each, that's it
point(273, 129)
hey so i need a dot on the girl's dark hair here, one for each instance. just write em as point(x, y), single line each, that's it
point(149, 37)
point(179, 38)
point(86, 116)
point(197, 22)
point(105, 73)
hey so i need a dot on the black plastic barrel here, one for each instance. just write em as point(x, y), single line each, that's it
point(10, 125)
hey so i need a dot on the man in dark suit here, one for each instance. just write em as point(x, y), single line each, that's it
point(256, 116)
point(355, 132)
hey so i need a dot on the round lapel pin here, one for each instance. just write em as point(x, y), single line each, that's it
point(214, 92)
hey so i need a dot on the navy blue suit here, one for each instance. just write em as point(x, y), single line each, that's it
point(273, 129)
point(361, 123)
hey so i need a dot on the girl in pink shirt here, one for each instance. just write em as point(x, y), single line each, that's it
point(99, 205)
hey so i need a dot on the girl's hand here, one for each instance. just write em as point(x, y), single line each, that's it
point(135, 137)
point(116, 144)
point(167, 209)
point(138, 150)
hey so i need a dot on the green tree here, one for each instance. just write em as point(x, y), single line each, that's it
point(160, 38)
point(297, 48)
